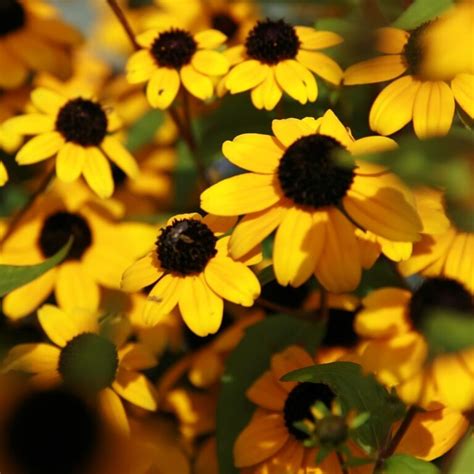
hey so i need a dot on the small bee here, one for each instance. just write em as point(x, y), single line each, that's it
point(177, 233)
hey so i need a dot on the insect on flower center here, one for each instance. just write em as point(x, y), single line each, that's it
point(51, 431)
point(437, 294)
point(83, 122)
point(272, 41)
point(58, 228)
point(88, 362)
point(413, 50)
point(340, 329)
point(299, 402)
point(186, 246)
point(309, 174)
point(12, 17)
point(174, 48)
point(225, 23)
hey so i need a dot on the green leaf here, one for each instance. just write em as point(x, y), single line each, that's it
point(246, 363)
point(144, 129)
point(402, 463)
point(421, 11)
point(356, 391)
point(12, 276)
point(464, 459)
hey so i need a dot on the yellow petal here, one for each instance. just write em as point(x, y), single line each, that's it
point(371, 145)
point(200, 85)
point(163, 87)
point(321, 65)
point(3, 174)
point(200, 307)
point(267, 393)
point(136, 389)
point(162, 299)
point(296, 81)
point(219, 225)
point(339, 266)
point(463, 90)
point(297, 247)
point(433, 110)
point(246, 75)
point(136, 357)
point(47, 101)
point(313, 39)
point(140, 67)
point(459, 259)
point(113, 411)
point(212, 63)
point(260, 439)
point(393, 107)
point(291, 358)
point(248, 192)
point(57, 324)
point(253, 229)
point(267, 94)
point(32, 358)
point(232, 281)
point(382, 68)
point(118, 154)
point(289, 130)
point(39, 148)
point(254, 152)
point(391, 40)
point(97, 173)
point(210, 39)
point(142, 273)
point(30, 124)
point(70, 162)
point(332, 126)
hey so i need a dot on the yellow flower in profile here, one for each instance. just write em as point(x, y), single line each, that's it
point(171, 57)
point(102, 249)
point(77, 131)
point(420, 95)
point(297, 186)
point(87, 358)
point(277, 58)
point(190, 267)
point(33, 38)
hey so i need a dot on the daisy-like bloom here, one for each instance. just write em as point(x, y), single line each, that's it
point(77, 131)
point(296, 184)
point(420, 94)
point(277, 58)
point(392, 321)
point(190, 267)
point(87, 358)
point(32, 38)
point(171, 57)
point(102, 249)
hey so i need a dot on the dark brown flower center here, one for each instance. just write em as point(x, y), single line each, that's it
point(225, 23)
point(186, 246)
point(299, 402)
point(12, 17)
point(52, 431)
point(413, 50)
point(272, 41)
point(83, 122)
point(58, 228)
point(309, 174)
point(173, 49)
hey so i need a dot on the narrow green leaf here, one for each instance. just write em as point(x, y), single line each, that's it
point(12, 276)
point(356, 391)
point(246, 363)
point(403, 463)
point(421, 11)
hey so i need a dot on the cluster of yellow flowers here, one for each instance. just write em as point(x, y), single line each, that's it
point(114, 359)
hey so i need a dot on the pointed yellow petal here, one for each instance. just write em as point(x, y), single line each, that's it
point(57, 324)
point(463, 90)
point(382, 68)
point(321, 65)
point(163, 87)
point(136, 389)
point(113, 411)
point(296, 81)
point(39, 148)
point(162, 299)
point(267, 94)
point(371, 145)
point(200, 85)
point(97, 173)
point(118, 154)
point(332, 126)
point(70, 162)
point(313, 39)
point(142, 273)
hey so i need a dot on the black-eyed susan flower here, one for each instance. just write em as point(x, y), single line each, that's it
point(190, 267)
point(77, 131)
point(87, 359)
point(277, 57)
point(419, 95)
point(33, 38)
point(102, 249)
point(171, 57)
point(296, 185)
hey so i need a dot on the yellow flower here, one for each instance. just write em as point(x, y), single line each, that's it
point(32, 38)
point(173, 57)
point(419, 95)
point(76, 131)
point(297, 185)
point(86, 358)
point(101, 251)
point(277, 58)
point(190, 267)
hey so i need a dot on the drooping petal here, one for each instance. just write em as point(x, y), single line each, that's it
point(97, 173)
point(162, 299)
point(382, 68)
point(163, 87)
point(246, 75)
point(113, 411)
point(118, 154)
point(70, 162)
point(142, 273)
point(267, 94)
point(200, 85)
point(296, 81)
point(267, 393)
point(240, 194)
point(393, 107)
point(321, 65)
point(39, 148)
point(463, 89)
point(136, 389)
